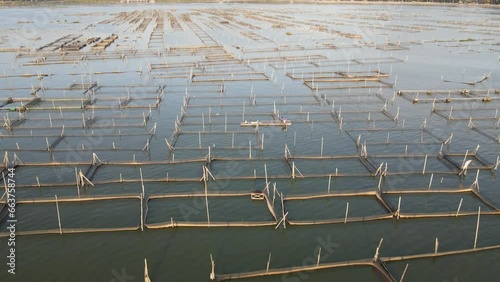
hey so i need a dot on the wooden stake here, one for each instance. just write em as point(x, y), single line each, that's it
point(436, 245)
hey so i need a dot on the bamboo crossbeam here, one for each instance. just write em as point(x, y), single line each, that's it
point(212, 224)
point(438, 254)
point(295, 269)
point(79, 199)
point(340, 220)
point(101, 134)
point(427, 191)
point(114, 163)
point(71, 231)
point(330, 195)
point(188, 195)
point(387, 216)
point(378, 265)
point(440, 215)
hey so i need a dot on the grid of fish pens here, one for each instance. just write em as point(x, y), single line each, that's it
point(218, 133)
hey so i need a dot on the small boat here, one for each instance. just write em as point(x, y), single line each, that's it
point(146, 272)
point(257, 195)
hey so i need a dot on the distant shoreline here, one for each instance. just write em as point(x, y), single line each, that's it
point(15, 3)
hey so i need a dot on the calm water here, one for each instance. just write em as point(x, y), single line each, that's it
point(434, 48)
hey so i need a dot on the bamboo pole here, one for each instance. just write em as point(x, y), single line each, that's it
point(425, 164)
point(212, 273)
point(142, 212)
point(399, 208)
point(268, 263)
point(459, 205)
point(249, 149)
point(274, 192)
point(329, 182)
point(477, 226)
point(375, 257)
point(319, 257)
point(267, 183)
point(206, 197)
point(283, 210)
point(404, 272)
point(346, 212)
point(203, 121)
point(430, 181)
point(59, 216)
point(321, 154)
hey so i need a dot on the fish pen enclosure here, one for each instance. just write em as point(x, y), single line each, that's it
point(323, 139)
